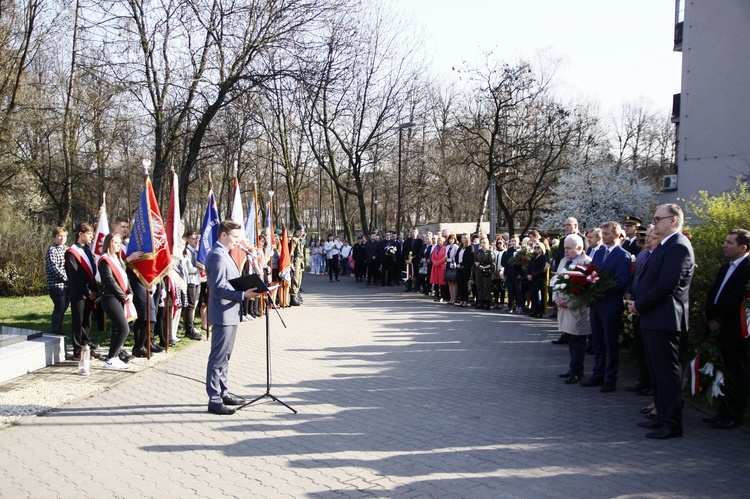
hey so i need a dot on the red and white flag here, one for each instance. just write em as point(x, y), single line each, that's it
point(102, 229)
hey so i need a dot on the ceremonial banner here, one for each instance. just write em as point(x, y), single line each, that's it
point(102, 229)
point(250, 225)
point(149, 236)
point(173, 219)
point(269, 232)
point(238, 254)
point(285, 262)
point(209, 230)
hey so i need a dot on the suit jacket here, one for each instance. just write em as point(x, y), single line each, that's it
point(415, 247)
point(632, 248)
point(726, 310)
point(618, 264)
point(223, 300)
point(637, 269)
point(81, 283)
point(664, 285)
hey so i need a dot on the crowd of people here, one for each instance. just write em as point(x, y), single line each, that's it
point(649, 269)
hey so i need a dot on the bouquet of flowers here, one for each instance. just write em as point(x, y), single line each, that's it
point(522, 256)
point(584, 282)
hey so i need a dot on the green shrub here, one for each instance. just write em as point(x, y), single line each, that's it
point(22, 250)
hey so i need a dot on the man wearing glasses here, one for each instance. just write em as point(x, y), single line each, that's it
point(661, 299)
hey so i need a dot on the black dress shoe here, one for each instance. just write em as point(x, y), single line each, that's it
point(230, 399)
point(608, 387)
point(664, 433)
point(194, 335)
point(573, 379)
point(140, 352)
point(635, 388)
point(124, 356)
point(562, 340)
point(564, 375)
point(725, 424)
point(592, 382)
point(652, 425)
point(222, 410)
point(155, 348)
point(647, 409)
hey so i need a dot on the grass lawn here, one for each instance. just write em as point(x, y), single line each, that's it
point(33, 312)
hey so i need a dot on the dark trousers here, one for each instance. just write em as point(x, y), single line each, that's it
point(462, 284)
point(333, 267)
point(120, 329)
point(510, 283)
point(536, 288)
point(372, 271)
point(80, 315)
point(222, 343)
point(60, 301)
point(577, 349)
point(360, 269)
point(188, 311)
point(639, 354)
point(605, 330)
point(663, 356)
point(734, 353)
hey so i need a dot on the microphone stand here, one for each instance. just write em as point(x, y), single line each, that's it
point(268, 357)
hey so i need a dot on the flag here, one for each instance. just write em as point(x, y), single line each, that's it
point(150, 237)
point(102, 229)
point(237, 210)
point(285, 262)
point(209, 230)
point(250, 224)
point(269, 232)
point(173, 219)
point(238, 254)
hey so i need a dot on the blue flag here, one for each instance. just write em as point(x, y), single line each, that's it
point(250, 224)
point(209, 230)
point(150, 237)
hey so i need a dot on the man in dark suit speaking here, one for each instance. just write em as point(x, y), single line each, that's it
point(661, 299)
point(224, 315)
point(722, 314)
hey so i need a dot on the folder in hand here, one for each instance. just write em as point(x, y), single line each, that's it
point(249, 281)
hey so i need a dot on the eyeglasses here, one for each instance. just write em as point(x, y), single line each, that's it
point(659, 219)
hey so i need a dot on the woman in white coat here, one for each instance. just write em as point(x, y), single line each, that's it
point(572, 313)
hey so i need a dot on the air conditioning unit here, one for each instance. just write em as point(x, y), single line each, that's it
point(670, 183)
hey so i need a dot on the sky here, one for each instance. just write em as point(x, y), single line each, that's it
point(611, 52)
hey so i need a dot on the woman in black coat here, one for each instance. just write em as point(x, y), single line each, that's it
point(536, 274)
point(464, 263)
point(116, 298)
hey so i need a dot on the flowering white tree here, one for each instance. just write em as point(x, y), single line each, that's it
point(594, 193)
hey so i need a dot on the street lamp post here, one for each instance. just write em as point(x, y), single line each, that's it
point(376, 214)
point(401, 128)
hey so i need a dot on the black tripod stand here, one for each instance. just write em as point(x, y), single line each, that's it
point(268, 393)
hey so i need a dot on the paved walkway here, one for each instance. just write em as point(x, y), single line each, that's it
point(397, 397)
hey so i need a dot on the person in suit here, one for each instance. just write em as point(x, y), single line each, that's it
point(594, 238)
point(605, 313)
point(509, 275)
point(662, 301)
point(464, 264)
point(373, 258)
point(80, 268)
point(643, 387)
point(412, 253)
point(723, 318)
point(630, 244)
point(224, 312)
point(430, 242)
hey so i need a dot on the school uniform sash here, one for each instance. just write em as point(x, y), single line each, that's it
point(83, 261)
point(122, 280)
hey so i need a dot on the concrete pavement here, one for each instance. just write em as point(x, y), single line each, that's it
point(398, 396)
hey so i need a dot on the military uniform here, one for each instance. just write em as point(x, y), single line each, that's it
point(297, 255)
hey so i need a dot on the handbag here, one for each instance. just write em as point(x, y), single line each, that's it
point(423, 269)
point(450, 274)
